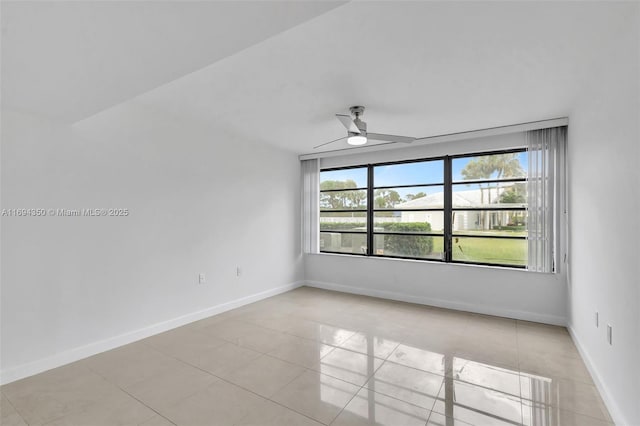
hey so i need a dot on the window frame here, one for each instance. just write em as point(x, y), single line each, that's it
point(448, 184)
point(373, 210)
point(366, 211)
point(481, 181)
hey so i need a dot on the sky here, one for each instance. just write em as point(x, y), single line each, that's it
point(408, 173)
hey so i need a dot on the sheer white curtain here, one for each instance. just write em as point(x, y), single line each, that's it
point(310, 205)
point(545, 187)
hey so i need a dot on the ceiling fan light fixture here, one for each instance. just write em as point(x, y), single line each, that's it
point(357, 140)
point(357, 131)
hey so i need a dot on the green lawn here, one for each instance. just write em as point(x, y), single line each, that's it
point(488, 250)
point(465, 249)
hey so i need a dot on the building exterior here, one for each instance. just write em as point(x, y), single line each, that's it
point(474, 219)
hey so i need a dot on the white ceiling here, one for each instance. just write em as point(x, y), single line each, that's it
point(72, 59)
point(420, 68)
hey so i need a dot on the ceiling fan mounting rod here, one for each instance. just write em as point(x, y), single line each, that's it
point(357, 110)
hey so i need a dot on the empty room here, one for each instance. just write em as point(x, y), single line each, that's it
point(320, 213)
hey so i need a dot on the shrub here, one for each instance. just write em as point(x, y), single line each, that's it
point(518, 228)
point(406, 226)
point(342, 226)
point(398, 245)
point(404, 245)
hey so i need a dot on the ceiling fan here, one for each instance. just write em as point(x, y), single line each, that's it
point(357, 130)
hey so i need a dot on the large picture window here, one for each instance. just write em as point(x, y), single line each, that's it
point(460, 209)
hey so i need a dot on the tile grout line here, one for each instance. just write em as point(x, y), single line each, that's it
point(365, 383)
point(269, 399)
point(130, 395)
point(519, 373)
point(286, 334)
point(237, 385)
point(175, 359)
point(434, 403)
point(151, 408)
point(15, 409)
point(89, 369)
point(345, 405)
point(532, 402)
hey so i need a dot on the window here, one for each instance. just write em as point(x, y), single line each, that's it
point(343, 210)
point(489, 208)
point(460, 209)
point(408, 209)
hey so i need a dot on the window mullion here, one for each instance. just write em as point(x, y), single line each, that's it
point(448, 204)
point(370, 250)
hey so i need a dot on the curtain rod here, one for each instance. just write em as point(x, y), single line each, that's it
point(467, 134)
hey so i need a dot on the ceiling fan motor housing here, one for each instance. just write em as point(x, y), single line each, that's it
point(362, 126)
point(357, 111)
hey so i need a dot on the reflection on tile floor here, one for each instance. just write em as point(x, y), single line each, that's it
point(314, 357)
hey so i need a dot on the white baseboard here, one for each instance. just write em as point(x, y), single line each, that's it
point(460, 306)
point(614, 410)
point(81, 352)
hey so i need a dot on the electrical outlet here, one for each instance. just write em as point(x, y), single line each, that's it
point(597, 319)
point(201, 279)
point(609, 334)
point(238, 271)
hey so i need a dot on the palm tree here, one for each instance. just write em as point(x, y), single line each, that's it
point(506, 165)
point(480, 168)
point(487, 166)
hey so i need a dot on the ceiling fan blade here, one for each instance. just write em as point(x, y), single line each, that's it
point(348, 122)
point(390, 138)
point(327, 143)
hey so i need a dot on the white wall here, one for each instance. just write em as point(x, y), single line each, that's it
point(604, 155)
point(199, 201)
point(504, 292)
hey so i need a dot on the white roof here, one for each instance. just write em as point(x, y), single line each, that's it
point(469, 198)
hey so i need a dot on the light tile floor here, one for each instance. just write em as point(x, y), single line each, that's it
point(312, 357)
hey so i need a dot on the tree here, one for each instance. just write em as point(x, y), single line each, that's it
point(347, 199)
point(515, 194)
point(479, 168)
point(507, 165)
point(492, 166)
point(503, 165)
point(386, 198)
point(410, 197)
